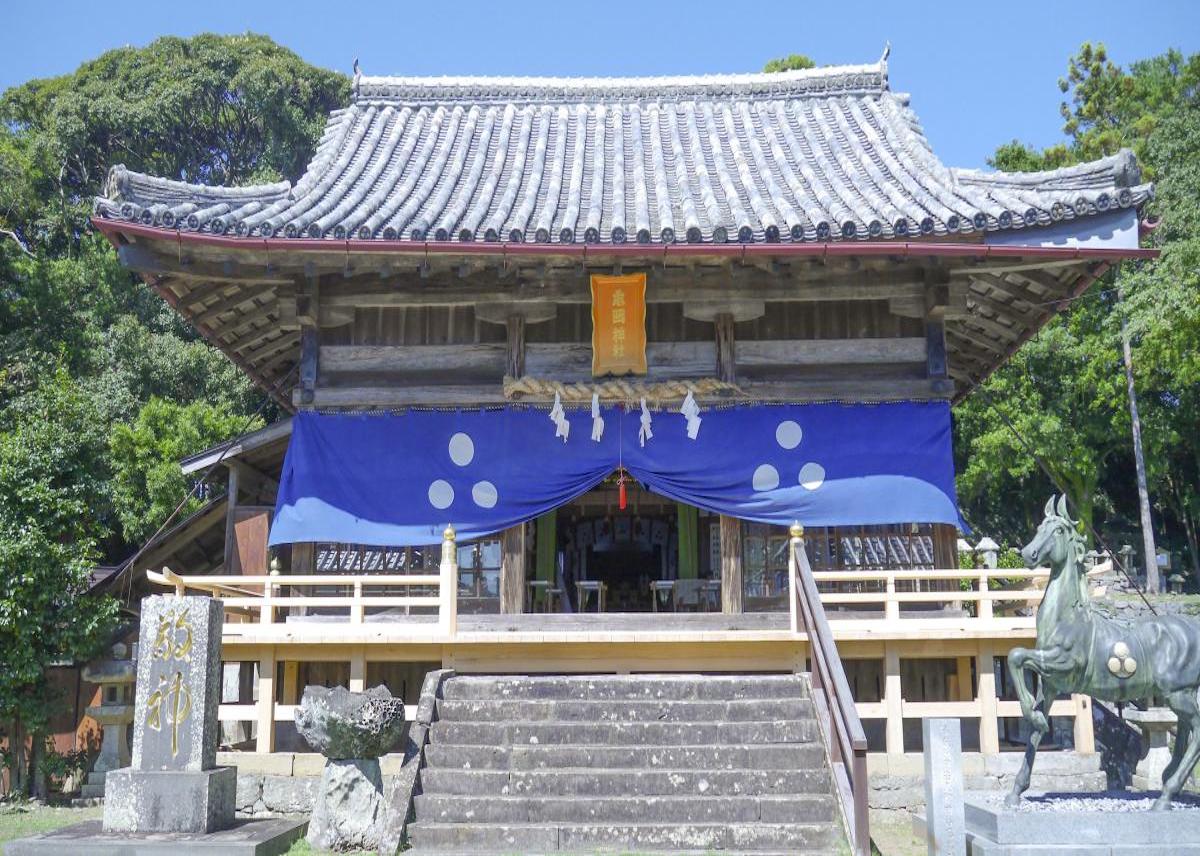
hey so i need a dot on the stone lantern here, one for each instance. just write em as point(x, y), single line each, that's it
point(989, 551)
point(114, 714)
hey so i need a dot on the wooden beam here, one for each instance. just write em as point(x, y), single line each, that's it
point(310, 350)
point(231, 302)
point(231, 507)
point(396, 395)
point(144, 260)
point(669, 287)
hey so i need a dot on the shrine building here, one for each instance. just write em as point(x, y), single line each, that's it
point(598, 375)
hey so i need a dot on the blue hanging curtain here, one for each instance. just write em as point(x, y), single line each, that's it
point(400, 478)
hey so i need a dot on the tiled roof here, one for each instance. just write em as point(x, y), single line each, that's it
point(814, 155)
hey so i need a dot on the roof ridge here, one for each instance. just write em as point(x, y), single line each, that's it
point(872, 77)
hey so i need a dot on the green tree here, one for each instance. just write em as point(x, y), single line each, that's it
point(791, 62)
point(1062, 391)
point(52, 463)
point(211, 109)
point(147, 481)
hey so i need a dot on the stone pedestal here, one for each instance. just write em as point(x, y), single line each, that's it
point(1105, 824)
point(144, 801)
point(172, 784)
point(350, 812)
point(1156, 725)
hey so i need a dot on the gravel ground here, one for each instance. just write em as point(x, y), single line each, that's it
point(1113, 801)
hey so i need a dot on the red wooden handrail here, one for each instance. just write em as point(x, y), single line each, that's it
point(832, 698)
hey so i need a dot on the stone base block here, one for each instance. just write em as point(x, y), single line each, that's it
point(169, 801)
point(244, 838)
point(1097, 824)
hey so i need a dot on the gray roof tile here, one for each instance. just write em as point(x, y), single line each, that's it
point(814, 155)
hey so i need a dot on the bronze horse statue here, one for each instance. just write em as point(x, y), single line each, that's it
point(1081, 650)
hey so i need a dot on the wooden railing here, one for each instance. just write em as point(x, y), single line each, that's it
point(1023, 588)
point(256, 598)
point(832, 699)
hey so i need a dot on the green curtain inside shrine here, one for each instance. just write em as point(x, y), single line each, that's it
point(547, 543)
point(689, 546)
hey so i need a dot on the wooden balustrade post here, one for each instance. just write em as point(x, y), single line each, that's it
point(989, 707)
point(448, 596)
point(985, 604)
point(1085, 736)
point(893, 701)
point(891, 605)
point(265, 707)
point(357, 612)
point(797, 533)
point(266, 615)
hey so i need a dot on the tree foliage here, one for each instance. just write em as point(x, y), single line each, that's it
point(791, 62)
point(102, 386)
point(147, 480)
point(1064, 391)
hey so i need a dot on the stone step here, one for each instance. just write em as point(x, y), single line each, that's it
point(807, 808)
point(624, 710)
point(632, 687)
point(763, 756)
point(506, 733)
point(603, 784)
point(794, 838)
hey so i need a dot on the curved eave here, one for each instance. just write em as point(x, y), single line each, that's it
point(879, 248)
point(228, 287)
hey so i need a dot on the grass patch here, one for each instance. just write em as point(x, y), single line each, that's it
point(17, 820)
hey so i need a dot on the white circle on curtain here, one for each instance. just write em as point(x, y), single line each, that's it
point(484, 494)
point(462, 449)
point(766, 477)
point(812, 475)
point(441, 494)
point(788, 434)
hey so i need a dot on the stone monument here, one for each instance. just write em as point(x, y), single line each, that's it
point(113, 714)
point(351, 730)
point(174, 784)
point(172, 797)
point(945, 832)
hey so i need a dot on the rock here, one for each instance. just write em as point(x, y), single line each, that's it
point(350, 810)
point(344, 725)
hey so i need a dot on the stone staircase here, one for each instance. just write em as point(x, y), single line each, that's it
point(632, 764)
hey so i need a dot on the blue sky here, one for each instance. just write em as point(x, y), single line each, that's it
point(981, 73)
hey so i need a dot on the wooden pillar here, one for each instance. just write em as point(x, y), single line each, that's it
point(726, 349)
point(733, 590)
point(515, 362)
point(308, 317)
point(291, 682)
point(1085, 737)
point(966, 690)
point(512, 570)
point(304, 560)
point(265, 707)
point(989, 710)
point(231, 500)
point(937, 300)
point(893, 701)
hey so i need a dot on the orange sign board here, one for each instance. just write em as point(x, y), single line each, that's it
point(619, 324)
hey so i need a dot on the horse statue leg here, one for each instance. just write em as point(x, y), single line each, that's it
point(1036, 711)
point(1184, 704)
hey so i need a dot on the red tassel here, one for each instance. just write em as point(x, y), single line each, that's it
point(622, 500)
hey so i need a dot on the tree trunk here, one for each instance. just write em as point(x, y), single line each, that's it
point(1151, 554)
point(16, 742)
point(39, 788)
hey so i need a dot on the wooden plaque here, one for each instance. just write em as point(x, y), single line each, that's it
point(619, 324)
